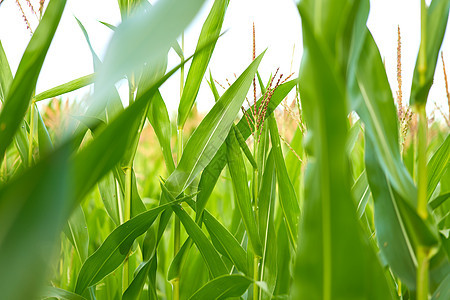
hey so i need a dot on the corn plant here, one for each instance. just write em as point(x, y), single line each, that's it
point(112, 203)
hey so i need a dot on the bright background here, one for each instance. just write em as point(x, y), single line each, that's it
point(278, 28)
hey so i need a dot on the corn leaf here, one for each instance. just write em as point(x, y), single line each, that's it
point(436, 22)
point(212, 259)
point(288, 199)
point(115, 248)
point(211, 133)
point(243, 200)
point(54, 292)
point(5, 74)
point(223, 287)
point(328, 266)
point(76, 231)
point(437, 166)
point(210, 31)
point(24, 82)
point(66, 87)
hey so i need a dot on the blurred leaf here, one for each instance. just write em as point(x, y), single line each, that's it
point(210, 31)
point(145, 36)
point(240, 184)
point(223, 287)
point(54, 292)
point(437, 165)
point(211, 132)
point(24, 82)
point(77, 232)
point(115, 248)
point(5, 74)
point(45, 142)
point(288, 199)
point(436, 22)
point(66, 87)
point(436, 202)
point(33, 209)
point(443, 291)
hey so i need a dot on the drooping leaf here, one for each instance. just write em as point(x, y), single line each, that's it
point(115, 248)
point(51, 291)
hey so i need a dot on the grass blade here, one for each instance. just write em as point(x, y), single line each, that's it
point(24, 82)
point(243, 199)
point(223, 287)
point(210, 31)
point(288, 199)
point(115, 248)
point(212, 131)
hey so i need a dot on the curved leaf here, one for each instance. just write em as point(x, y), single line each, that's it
point(212, 131)
point(223, 287)
point(24, 82)
point(210, 31)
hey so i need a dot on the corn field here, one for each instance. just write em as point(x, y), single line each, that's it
point(322, 184)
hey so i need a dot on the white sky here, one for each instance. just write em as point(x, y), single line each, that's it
point(278, 28)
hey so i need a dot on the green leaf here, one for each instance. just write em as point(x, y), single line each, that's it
point(227, 241)
point(115, 248)
point(145, 36)
point(66, 87)
point(45, 142)
point(5, 74)
point(54, 292)
point(22, 87)
point(211, 132)
point(361, 193)
point(443, 291)
point(212, 259)
point(134, 290)
point(266, 203)
point(436, 22)
point(223, 287)
point(437, 166)
point(108, 193)
point(210, 31)
point(288, 199)
point(32, 215)
point(211, 173)
point(436, 202)
point(334, 259)
point(371, 97)
point(76, 231)
point(395, 243)
point(240, 183)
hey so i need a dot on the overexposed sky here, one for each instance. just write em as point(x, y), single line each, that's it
point(278, 28)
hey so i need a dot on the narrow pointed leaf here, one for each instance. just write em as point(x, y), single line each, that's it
point(210, 30)
point(223, 287)
point(66, 87)
point(211, 133)
point(24, 83)
point(436, 22)
point(115, 249)
point(240, 183)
